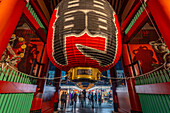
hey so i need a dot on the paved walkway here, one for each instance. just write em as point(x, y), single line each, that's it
point(104, 108)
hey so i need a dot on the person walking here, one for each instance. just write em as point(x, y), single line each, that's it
point(89, 97)
point(65, 99)
point(75, 99)
point(95, 97)
point(84, 93)
point(72, 99)
point(92, 100)
point(62, 100)
point(99, 99)
point(81, 97)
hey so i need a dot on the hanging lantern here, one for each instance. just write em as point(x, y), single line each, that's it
point(84, 33)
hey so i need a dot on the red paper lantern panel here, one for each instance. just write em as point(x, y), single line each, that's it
point(84, 33)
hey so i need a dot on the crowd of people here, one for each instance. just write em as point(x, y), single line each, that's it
point(92, 99)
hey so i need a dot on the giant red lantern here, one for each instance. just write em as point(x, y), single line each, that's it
point(84, 33)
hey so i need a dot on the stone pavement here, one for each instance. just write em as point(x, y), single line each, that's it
point(104, 108)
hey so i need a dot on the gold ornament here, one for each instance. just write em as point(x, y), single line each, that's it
point(21, 55)
point(21, 39)
point(13, 35)
point(23, 46)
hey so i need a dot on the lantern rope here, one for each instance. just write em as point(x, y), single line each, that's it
point(118, 78)
point(167, 52)
point(152, 22)
point(152, 70)
point(163, 65)
point(31, 76)
point(45, 78)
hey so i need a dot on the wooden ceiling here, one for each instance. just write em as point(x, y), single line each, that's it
point(121, 7)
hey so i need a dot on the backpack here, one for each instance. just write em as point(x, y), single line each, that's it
point(62, 97)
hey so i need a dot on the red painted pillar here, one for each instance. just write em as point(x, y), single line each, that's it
point(44, 70)
point(160, 11)
point(114, 85)
point(10, 13)
point(37, 100)
point(134, 98)
point(126, 61)
point(56, 94)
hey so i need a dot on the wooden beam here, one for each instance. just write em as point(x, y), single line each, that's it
point(55, 3)
point(51, 4)
point(44, 9)
point(113, 3)
point(58, 1)
point(136, 26)
point(122, 7)
point(129, 17)
point(30, 19)
point(13, 87)
point(116, 5)
point(127, 9)
point(40, 14)
point(159, 88)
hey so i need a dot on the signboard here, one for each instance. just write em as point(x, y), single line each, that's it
point(84, 72)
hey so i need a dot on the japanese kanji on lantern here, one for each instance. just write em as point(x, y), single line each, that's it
point(84, 33)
